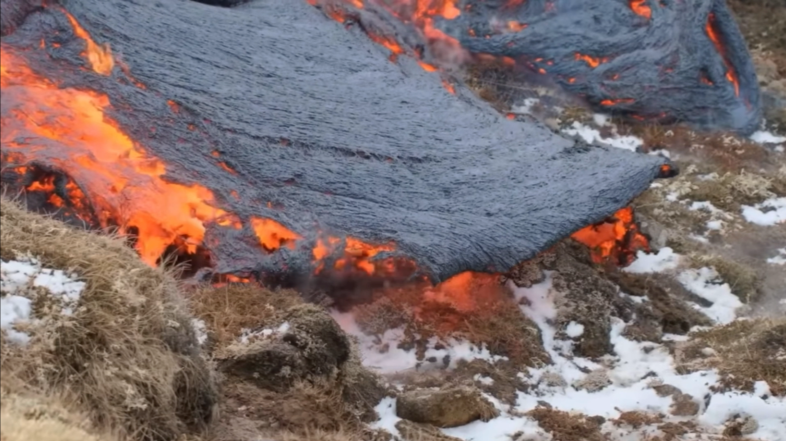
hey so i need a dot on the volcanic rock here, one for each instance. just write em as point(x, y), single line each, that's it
point(451, 407)
point(283, 114)
point(627, 60)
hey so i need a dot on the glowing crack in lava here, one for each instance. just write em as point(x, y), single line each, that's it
point(420, 14)
point(715, 37)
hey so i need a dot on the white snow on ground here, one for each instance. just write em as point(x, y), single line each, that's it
point(706, 283)
point(769, 212)
point(13, 310)
point(526, 107)
point(780, 259)
point(764, 137)
point(200, 329)
point(574, 330)
point(631, 372)
point(665, 259)
point(17, 277)
point(383, 354)
point(386, 409)
point(593, 136)
point(248, 335)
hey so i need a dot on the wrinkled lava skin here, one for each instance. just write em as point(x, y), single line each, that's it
point(315, 120)
point(652, 60)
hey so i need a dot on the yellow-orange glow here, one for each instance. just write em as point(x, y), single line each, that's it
point(99, 56)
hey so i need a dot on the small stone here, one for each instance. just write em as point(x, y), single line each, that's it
point(666, 390)
point(451, 407)
point(683, 405)
point(741, 425)
point(594, 381)
point(553, 379)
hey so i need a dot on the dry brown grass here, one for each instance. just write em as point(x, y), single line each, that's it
point(316, 387)
point(127, 357)
point(28, 418)
point(744, 351)
point(228, 310)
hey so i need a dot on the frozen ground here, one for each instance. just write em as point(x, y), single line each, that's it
point(21, 283)
point(626, 381)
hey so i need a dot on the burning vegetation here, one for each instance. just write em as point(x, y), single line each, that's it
point(69, 155)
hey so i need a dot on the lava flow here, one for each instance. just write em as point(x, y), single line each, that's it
point(65, 147)
point(111, 179)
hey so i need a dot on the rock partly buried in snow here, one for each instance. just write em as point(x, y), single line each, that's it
point(683, 405)
point(421, 432)
point(740, 425)
point(311, 345)
point(594, 381)
point(451, 407)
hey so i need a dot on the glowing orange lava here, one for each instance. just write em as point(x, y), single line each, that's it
point(714, 35)
point(99, 56)
point(421, 14)
point(593, 62)
point(641, 8)
point(615, 238)
point(614, 102)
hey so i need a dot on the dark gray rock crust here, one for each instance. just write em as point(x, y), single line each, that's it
point(317, 121)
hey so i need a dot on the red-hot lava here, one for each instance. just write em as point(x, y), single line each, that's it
point(715, 36)
point(446, 51)
point(114, 180)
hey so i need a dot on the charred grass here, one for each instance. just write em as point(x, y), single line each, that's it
point(127, 357)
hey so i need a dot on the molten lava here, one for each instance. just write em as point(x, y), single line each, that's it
point(69, 129)
point(114, 180)
point(641, 8)
point(421, 14)
point(714, 34)
point(99, 56)
point(616, 239)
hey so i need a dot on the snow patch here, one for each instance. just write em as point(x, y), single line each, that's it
point(593, 136)
point(13, 310)
point(765, 137)
point(383, 353)
point(779, 259)
point(248, 335)
point(665, 259)
point(770, 212)
point(706, 283)
point(574, 330)
point(18, 277)
point(200, 329)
